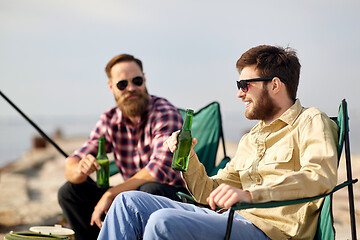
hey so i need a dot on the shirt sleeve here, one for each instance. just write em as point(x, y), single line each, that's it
point(164, 123)
point(200, 185)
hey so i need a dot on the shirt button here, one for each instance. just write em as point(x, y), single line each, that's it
point(259, 155)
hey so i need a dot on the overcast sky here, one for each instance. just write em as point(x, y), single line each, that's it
point(53, 53)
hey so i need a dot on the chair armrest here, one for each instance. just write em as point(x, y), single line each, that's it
point(186, 198)
point(245, 205)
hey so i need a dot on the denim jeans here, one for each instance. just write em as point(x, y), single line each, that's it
point(137, 215)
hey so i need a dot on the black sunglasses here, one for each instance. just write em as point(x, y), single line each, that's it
point(137, 81)
point(243, 84)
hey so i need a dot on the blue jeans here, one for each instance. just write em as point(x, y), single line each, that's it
point(136, 215)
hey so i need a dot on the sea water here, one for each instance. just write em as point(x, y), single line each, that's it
point(16, 134)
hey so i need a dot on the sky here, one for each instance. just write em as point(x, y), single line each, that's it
point(53, 53)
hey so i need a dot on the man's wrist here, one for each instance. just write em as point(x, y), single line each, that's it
point(110, 194)
point(249, 195)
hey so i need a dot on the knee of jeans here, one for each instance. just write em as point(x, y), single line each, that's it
point(162, 216)
point(160, 224)
point(128, 197)
point(132, 194)
point(132, 200)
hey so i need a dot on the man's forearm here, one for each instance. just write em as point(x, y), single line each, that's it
point(72, 172)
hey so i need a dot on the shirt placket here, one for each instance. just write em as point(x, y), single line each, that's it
point(136, 139)
point(260, 151)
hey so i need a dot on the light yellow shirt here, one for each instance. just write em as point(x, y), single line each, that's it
point(293, 157)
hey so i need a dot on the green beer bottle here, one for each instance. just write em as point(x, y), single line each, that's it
point(102, 175)
point(184, 141)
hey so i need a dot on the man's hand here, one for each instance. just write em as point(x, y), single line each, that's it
point(172, 141)
point(77, 171)
point(105, 201)
point(88, 165)
point(101, 207)
point(225, 196)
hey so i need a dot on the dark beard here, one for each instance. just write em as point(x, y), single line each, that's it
point(265, 108)
point(133, 107)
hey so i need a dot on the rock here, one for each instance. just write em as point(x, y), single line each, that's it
point(29, 188)
point(13, 194)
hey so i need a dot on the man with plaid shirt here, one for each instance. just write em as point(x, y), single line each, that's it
point(134, 131)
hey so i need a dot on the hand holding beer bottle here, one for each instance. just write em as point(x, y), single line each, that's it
point(184, 141)
point(102, 175)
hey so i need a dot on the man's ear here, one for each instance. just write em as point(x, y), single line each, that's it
point(276, 85)
point(110, 84)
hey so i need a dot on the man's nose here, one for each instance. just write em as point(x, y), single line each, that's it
point(240, 94)
point(131, 86)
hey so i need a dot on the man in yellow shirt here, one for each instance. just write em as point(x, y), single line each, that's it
point(291, 153)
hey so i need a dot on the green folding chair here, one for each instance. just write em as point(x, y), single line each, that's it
point(207, 129)
point(325, 229)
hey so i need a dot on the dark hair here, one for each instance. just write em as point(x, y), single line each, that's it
point(121, 58)
point(274, 61)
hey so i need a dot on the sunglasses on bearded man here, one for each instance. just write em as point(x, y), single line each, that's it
point(243, 84)
point(137, 81)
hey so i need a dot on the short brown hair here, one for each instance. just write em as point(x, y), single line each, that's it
point(121, 58)
point(274, 61)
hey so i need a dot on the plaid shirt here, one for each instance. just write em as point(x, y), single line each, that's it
point(140, 145)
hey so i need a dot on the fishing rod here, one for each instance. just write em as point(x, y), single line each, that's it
point(34, 125)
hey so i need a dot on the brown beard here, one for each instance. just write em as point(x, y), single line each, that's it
point(264, 109)
point(133, 107)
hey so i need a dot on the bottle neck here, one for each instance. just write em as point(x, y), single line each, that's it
point(188, 121)
point(102, 148)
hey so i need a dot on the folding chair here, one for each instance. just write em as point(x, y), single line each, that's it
point(207, 128)
point(325, 229)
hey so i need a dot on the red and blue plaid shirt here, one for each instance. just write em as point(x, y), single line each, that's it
point(140, 145)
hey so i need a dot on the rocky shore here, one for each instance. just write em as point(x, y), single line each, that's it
point(29, 190)
point(29, 187)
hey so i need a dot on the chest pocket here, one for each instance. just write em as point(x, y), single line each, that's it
point(280, 159)
point(245, 164)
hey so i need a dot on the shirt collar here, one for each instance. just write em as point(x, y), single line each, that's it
point(290, 115)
